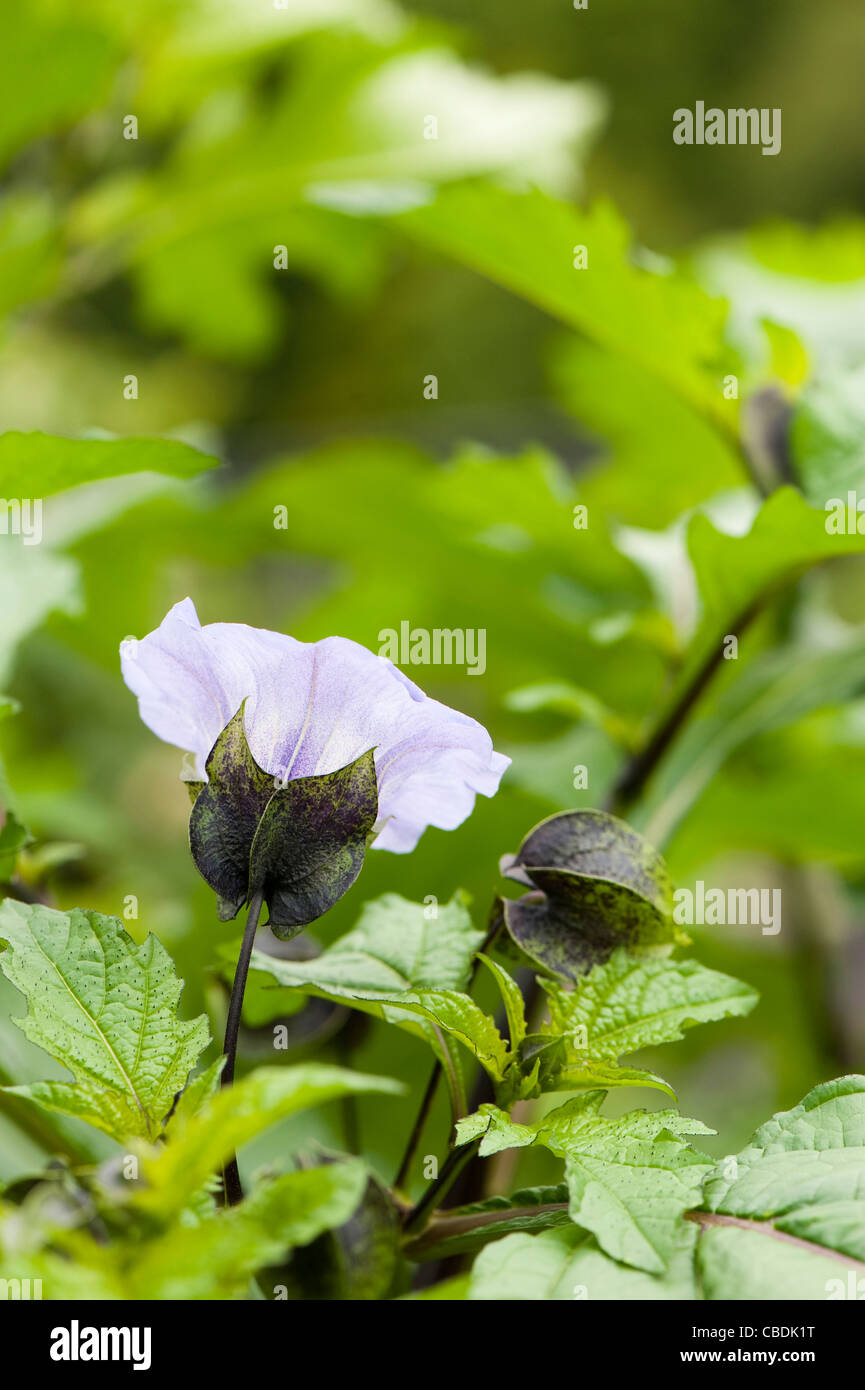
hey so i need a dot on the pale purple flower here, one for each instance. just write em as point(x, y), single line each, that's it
point(311, 708)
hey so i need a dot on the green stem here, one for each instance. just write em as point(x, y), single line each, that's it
point(233, 1191)
point(446, 1227)
point(639, 769)
point(453, 1166)
point(494, 926)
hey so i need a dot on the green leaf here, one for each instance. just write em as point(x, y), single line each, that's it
point(460, 1017)
point(216, 1257)
point(395, 946)
point(197, 229)
point(526, 242)
point(512, 998)
point(357, 1258)
point(786, 538)
point(34, 581)
point(54, 68)
point(664, 457)
point(384, 967)
point(826, 435)
point(737, 1264)
point(599, 885)
point(562, 1068)
point(567, 1265)
point(202, 1142)
point(201, 1253)
point(567, 1125)
point(630, 1179)
point(800, 1176)
point(301, 843)
point(13, 838)
point(104, 1008)
point(627, 1004)
point(631, 1185)
point(51, 463)
point(426, 1014)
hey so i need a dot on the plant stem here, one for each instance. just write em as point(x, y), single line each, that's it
point(453, 1166)
point(446, 1227)
point(233, 1192)
point(494, 926)
point(640, 767)
point(418, 1126)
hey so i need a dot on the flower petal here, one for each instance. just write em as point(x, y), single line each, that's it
point(312, 708)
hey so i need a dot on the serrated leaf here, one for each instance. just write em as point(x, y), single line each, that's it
point(395, 946)
point(382, 966)
point(104, 1008)
point(202, 1142)
point(630, 1179)
point(598, 885)
point(562, 1067)
point(460, 1017)
point(300, 843)
point(627, 1004)
point(512, 998)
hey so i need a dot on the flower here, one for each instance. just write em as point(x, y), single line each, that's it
point(310, 709)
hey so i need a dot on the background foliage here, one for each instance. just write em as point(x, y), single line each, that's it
point(303, 128)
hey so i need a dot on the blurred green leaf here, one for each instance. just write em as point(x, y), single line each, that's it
point(53, 67)
point(201, 1142)
point(528, 241)
point(40, 464)
point(826, 435)
point(216, 1257)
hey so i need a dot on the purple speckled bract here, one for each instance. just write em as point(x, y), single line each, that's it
point(311, 708)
